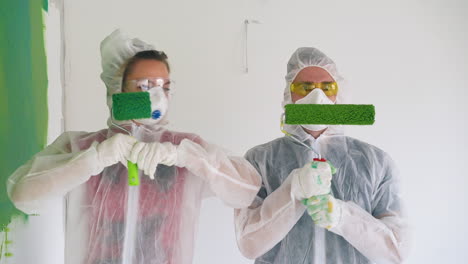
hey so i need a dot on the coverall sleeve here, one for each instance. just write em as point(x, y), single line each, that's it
point(268, 219)
point(383, 235)
point(52, 173)
point(232, 179)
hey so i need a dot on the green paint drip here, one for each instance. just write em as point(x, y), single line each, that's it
point(5, 244)
point(319, 180)
point(23, 86)
point(45, 5)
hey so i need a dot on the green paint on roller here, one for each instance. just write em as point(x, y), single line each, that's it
point(339, 114)
point(128, 106)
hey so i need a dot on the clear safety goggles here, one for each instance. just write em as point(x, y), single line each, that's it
point(304, 88)
point(145, 84)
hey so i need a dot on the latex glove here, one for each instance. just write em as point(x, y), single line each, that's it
point(114, 149)
point(311, 180)
point(325, 210)
point(148, 155)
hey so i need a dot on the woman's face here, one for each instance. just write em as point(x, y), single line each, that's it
point(144, 69)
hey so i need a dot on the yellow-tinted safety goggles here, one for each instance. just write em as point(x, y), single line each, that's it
point(304, 88)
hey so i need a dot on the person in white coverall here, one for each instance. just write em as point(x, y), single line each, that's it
point(346, 210)
point(108, 221)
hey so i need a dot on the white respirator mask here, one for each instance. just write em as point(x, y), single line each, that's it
point(317, 96)
point(159, 106)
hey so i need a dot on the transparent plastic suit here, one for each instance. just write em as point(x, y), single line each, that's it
point(276, 227)
point(108, 222)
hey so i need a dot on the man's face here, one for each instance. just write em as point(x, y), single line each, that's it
point(313, 75)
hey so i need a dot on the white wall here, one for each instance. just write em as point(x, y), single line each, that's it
point(408, 58)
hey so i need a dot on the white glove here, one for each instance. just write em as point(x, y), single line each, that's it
point(115, 149)
point(311, 180)
point(148, 155)
point(325, 210)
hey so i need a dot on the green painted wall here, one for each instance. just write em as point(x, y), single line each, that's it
point(23, 91)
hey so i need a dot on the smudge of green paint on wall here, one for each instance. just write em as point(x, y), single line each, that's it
point(23, 86)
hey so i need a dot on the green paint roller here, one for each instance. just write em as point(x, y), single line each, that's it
point(333, 114)
point(128, 106)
